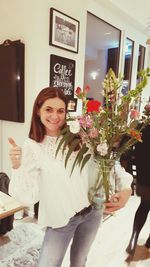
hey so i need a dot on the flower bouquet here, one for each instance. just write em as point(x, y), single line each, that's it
point(101, 127)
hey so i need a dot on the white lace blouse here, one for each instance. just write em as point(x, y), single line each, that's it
point(43, 177)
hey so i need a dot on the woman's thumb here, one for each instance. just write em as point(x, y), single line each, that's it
point(12, 142)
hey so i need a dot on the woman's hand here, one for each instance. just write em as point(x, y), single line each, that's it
point(15, 154)
point(118, 200)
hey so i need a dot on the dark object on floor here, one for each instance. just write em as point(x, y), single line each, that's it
point(6, 224)
point(129, 259)
point(147, 244)
point(132, 244)
point(142, 253)
point(36, 210)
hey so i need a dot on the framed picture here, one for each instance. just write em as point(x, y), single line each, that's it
point(62, 74)
point(72, 105)
point(64, 31)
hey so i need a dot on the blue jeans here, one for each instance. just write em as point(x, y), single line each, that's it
point(82, 229)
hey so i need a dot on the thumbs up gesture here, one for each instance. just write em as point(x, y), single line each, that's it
point(15, 154)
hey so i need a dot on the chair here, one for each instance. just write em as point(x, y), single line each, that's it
point(6, 224)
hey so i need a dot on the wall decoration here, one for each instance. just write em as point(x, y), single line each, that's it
point(12, 100)
point(72, 105)
point(62, 74)
point(64, 31)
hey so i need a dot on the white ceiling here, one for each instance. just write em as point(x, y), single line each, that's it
point(139, 11)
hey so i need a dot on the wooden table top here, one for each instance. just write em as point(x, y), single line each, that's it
point(8, 205)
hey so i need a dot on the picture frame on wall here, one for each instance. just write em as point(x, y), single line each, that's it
point(62, 74)
point(72, 105)
point(64, 31)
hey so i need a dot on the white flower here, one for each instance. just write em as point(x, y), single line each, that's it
point(102, 111)
point(74, 126)
point(102, 149)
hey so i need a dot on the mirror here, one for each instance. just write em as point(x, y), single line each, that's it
point(102, 52)
point(129, 45)
point(141, 59)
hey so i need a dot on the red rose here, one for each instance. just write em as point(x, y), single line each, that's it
point(93, 105)
point(86, 89)
point(78, 91)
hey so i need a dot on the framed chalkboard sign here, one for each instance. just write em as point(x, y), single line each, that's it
point(62, 74)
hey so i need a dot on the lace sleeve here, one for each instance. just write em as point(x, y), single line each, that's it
point(24, 182)
point(123, 179)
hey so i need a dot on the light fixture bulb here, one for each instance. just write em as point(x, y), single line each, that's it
point(94, 75)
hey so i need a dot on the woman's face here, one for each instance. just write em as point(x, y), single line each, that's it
point(52, 114)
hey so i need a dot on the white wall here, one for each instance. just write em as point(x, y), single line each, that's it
point(29, 21)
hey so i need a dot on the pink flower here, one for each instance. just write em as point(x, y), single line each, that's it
point(93, 133)
point(89, 122)
point(147, 107)
point(85, 121)
point(134, 114)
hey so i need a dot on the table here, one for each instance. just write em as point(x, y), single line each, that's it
point(8, 205)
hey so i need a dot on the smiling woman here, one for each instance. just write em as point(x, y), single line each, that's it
point(63, 198)
point(43, 177)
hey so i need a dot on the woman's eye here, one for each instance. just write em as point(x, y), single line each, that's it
point(48, 110)
point(61, 111)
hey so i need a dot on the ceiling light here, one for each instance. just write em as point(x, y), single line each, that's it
point(107, 33)
point(94, 75)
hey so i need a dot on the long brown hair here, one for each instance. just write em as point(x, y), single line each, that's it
point(37, 129)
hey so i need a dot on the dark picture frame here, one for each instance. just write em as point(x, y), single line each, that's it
point(72, 105)
point(12, 76)
point(64, 31)
point(62, 74)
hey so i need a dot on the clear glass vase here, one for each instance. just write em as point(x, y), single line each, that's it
point(100, 192)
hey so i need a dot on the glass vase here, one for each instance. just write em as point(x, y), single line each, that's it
point(101, 191)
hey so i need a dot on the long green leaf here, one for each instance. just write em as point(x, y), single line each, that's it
point(84, 149)
point(63, 132)
point(85, 160)
point(74, 164)
point(71, 149)
point(68, 139)
point(79, 156)
point(60, 143)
